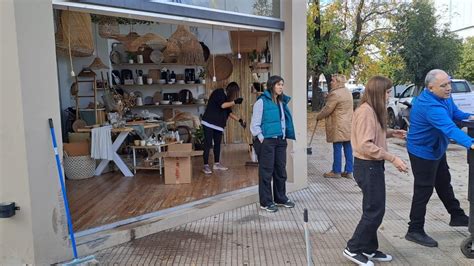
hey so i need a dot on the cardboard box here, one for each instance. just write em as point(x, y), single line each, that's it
point(77, 148)
point(178, 163)
point(78, 137)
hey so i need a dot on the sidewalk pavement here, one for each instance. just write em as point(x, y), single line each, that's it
point(250, 236)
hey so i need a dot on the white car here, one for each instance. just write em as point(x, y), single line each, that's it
point(462, 94)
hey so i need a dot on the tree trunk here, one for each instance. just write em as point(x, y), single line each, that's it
point(317, 99)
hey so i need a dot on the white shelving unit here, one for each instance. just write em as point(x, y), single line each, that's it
point(148, 90)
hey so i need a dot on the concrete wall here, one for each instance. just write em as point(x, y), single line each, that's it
point(293, 66)
point(28, 172)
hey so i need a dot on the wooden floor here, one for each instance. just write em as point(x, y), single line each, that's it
point(112, 197)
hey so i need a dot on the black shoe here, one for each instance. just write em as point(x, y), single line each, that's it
point(461, 220)
point(378, 256)
point(270, 208)
point(358, 258)
point(288, 204)
point(421, 238)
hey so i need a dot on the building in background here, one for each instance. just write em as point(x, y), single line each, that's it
point(459, 14)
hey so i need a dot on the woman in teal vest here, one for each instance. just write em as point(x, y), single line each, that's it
point(271, 125)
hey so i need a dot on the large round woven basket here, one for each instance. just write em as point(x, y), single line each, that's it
point(79, 167)
point(223, 67)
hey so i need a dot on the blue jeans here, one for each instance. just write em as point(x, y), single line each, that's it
point(337, 164)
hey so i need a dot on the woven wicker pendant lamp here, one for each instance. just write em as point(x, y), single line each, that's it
point(128, 40)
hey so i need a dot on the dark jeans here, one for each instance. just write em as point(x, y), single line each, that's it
point(271, 165)
point(370, 177)
point(210, 135)
point(430, 174)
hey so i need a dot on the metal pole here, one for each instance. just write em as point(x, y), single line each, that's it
point(306, 236)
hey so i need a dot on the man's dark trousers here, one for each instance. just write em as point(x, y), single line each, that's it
point(271, 164)
point(370, 177)
point(430, 174)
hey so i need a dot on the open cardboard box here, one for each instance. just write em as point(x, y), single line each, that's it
point(178, 163)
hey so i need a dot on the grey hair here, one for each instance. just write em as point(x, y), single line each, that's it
point(431, 76)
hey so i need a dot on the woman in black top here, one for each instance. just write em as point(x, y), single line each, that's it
point(214, 120)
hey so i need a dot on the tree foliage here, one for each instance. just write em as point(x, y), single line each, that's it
point(466, 67)
point(339, 34)
point(422, 43)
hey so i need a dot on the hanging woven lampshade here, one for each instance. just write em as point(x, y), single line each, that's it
point(109, 28)
point(97, 64)
point(191, 52)
point(75, 34)
point(182, 34)
point(127, 41)
point(171, 53)
point(154, 41)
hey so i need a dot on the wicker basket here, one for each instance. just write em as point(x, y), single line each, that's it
point(79, 167)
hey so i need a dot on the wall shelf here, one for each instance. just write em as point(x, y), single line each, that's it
point(260, 67)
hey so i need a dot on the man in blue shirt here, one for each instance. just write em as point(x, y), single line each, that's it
point(431, 127)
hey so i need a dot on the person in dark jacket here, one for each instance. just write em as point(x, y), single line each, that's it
point(271, 125)
point(214, 120)
point(431, 127)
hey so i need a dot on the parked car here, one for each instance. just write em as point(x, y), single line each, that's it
point(324, 90)
point(462, 93)
point(357, 95)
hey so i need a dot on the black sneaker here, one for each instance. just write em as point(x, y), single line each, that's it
point(378, 256)
point(460, 220)
point(270, 208)
point(358, 258)
point(288, 204)
point(421, 238)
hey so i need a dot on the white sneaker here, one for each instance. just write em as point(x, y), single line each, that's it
point(206, 169)
point(378, 256)
point(218, 166)
point(358, 258)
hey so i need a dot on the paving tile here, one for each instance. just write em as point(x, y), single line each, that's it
point(248, 236)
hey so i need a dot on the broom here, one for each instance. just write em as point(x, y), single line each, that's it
point(76, 261)
point(309, 150)
point(253, 156)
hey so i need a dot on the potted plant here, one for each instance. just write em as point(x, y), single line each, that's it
point(202, 76)
point(253, 56)
point(198, 138)
point(130, 57)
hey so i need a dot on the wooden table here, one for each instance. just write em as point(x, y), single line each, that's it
point(123, 133)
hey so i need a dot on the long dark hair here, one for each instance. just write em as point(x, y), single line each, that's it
point(374, 95)
point(232, 90)
point(272, 81)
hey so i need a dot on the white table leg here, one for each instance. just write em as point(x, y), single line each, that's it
point(134, 161)
point(116, 158)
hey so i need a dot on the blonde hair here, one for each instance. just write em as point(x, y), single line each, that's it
point(340, 80)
